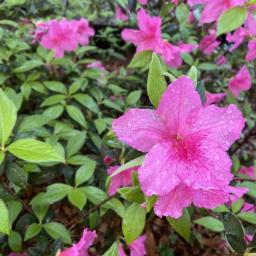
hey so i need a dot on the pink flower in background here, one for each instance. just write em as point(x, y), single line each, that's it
point(240, 82)
point(80, 248)
point(212, 98)
point(120, 14)
point(97, 64)
point(137, 247)
point(83, 31)
point(186, 48)
point(121, 250)
point(171, 54)
point(143, 2)
point(250, 25)
point(191, 18)
point(17, 254)
point(195, 2)
point(122, 179)
point(221, 60)
point(40, 30)
point(251, 54)
point(209, 43)
point(249, 171)
point(186, 144)
point(213, 9)
point(107, 160)
point(148, 37)
point(237, 38)
point(247, 207)
point(175, 2)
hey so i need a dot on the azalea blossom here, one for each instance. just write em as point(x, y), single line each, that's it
point(80, 248)
point(186, 144)
point(212, 98)
point(237, 38)
point(249, 171)
point(240, 82)
point(221, 60)
point(209, 43)
point(123, 179)
point(137, 247)
point(143, 2)
point(148, 37)
point(251, 55)
point(120, 14)
point(97, 64)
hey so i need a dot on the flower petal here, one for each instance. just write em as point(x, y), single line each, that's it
point(139, 128)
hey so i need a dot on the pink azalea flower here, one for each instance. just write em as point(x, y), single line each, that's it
point(121, 250)
point(213, 9)
point(143, 2)
point(80, 248)
point(195, 2)
point(191, 18)
point(40, 30)
point(148, 37)
point(171, 54)
point(96, 64)
point(247, 207)
point(175, 2)
point(123, 179)
point(237, 38)
point(251, 54)
point(240, 82)
point(120, 14)
point(83, 31)
point(250, 25)
point(107, 160)
point(137, 247)
point(249, 171)
point(209, 43)
point(186, 144)
point(212, 98)
point(221, 60)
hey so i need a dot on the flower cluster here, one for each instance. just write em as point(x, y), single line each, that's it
point(63, 35)
point(186, 144)
point(148, 37)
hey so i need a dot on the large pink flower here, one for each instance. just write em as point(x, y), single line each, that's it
point(213, 9)
point(240, 82)
point(209, 43)
point(123, 179)
point(186, 144)
point(80, 248)
point(148, 37)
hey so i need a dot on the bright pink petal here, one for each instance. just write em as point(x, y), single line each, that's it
point(137, 247)
point(249, 171)
point(212, 98)
point(121, 250)
point(251, 54)
point(139, 128)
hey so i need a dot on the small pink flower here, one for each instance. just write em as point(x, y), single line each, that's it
point(251, 54)
point(80, 248)
point(137, 247)
point(120, 14)
point(209, 43)
point(237, 38)
point(123, 179)
point(186, 144)
point(148, 37)
point(212, 98)
point(213, 9)
point(96, 64)
point(143, 2)
point(107, 160)
point(221, 60)
point(240, 82)
point(249, 171)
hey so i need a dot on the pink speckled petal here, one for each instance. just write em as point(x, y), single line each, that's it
point(86, 240)
point(158, 175)
point(173, 203)
point(221, 125)
point(178, 103)
point(139, 128)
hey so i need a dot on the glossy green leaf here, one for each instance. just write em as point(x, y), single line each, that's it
point(77, 198)
point(141, 60)
point(4, 218)
point(85, 172)
point(210, 223)
point(76, 114)
point(32, 231)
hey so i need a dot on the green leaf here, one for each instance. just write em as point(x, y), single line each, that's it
point(76, 114)
point(4, 218)
point(141, 60)
point(132, 194)
point(40, 211)
point(251, 186)
point(248, 216)
point(100, 125)
point(28, 65)
point(192, 73)
point(156, 84)
point(14, 209)
point(231, 19)
point(58, 231)
point(133, 98)
point(87, 101)
point(15, 241)
point(56, 192)
point(235, 207)
point(35, 151)
point(133, 163)
point(85, 172)
point(75, 143)
point(8, 116)
point(182, 13)
point(201, 91)
point(32, 230)
point(182, 225)
point(54, 99)
point(210, 223)
point(77, 198)
point(56, 86)
point(112, 251)
point(133, 222)
point(29, 123)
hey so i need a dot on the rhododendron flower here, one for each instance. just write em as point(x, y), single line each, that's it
point(83, 31)
point(186, 144)
point(40, 30)
point(240, 82)
point(249, 171)
point(250, 25)
point(137, 247)
point(213, 9)
point(251, 55)
point(143, 2)
point(237, 38)
point(123, 179)
point(212, 98)
point(120, 14)
point(80, 248)
point(209, 43)
point(148, 37)
point(221, 60)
